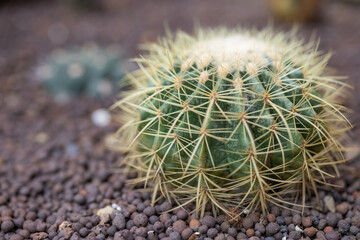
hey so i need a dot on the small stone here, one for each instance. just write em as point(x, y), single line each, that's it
point(248, 223)
point(310, 231)
point(140, 220)
point(307, 222)
point(354, 230)
point(343, 226)
point(330, 203)
point(328, 229)
point(30, 226)
point(232, 232)
point(80, 199)
point(195, 224)
point(141, 231)
point(283, 229)
point(272, 228)
point(182, 214)
point(165, 206)
point(158, 227)
point(280, 220)
point(331, 219)
point(203, 229)
point(7, 226)
point(104, 214)
point(186, 233)
point(39, 235)
point(83, 232)
point(342, 208)
point(271, 217)
point(322, 224)
point(149, 211)
point(111, 231)
point(250, 232)
point(278, 236)
point(101, 117)
point(16, 237)
point(298, 229)
point(212, 232)
point(225, 226)
point(260, 227)
point(297, 219)
point(119, 221)
point(179, 226)
point(294, 235)
point(220, 236)
point(208, 221)
point(332, 235)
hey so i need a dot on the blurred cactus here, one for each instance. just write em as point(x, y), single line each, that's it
point(295, 10)
point(90, 69)
point(232, 118)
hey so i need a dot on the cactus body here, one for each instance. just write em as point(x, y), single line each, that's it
point(90, 70)
point(234, 118)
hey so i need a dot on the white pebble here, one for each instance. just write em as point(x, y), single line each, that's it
point(330, 203)
point(298, 229)
point(101, 117)
point(116, 207)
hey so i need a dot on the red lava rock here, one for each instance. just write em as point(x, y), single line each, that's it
point(306, 222)
point(195, 224)
point(310, 231)
point(250, 232)
point(342, 208)
point(271, 217)
point(328, 229)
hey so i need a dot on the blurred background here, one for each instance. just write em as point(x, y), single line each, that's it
point(60, 65)
point(40, 40)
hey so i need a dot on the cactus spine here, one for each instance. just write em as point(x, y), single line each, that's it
point(233, 118)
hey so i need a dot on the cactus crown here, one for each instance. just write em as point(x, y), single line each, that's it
point(232, 118)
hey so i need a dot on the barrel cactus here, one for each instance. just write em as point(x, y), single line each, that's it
point(89, 69)
point(232, 118)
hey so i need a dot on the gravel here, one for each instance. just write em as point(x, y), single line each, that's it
point(56, 189)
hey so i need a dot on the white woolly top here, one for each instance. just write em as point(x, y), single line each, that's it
point(233, 51)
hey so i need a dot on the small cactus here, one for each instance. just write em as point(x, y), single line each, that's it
point(235, 118)
point(90, 69)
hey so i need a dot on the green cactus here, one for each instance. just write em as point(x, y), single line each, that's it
point(232, 118)
point(91, 70)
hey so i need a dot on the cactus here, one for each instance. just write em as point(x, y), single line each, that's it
point(233, 118)
point(90, 69)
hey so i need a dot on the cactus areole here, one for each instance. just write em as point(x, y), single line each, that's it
point(233, 118)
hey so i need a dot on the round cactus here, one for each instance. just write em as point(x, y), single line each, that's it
point(232, 118)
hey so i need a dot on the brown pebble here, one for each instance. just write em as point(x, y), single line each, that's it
point(179, 226)
point(310, 231)
point(271, 217)
point(250, 232)
point(306, 222)
point(328, 229)
point(195, 224)
point(342, 208)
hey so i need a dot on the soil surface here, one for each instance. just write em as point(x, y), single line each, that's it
point(58, 181)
